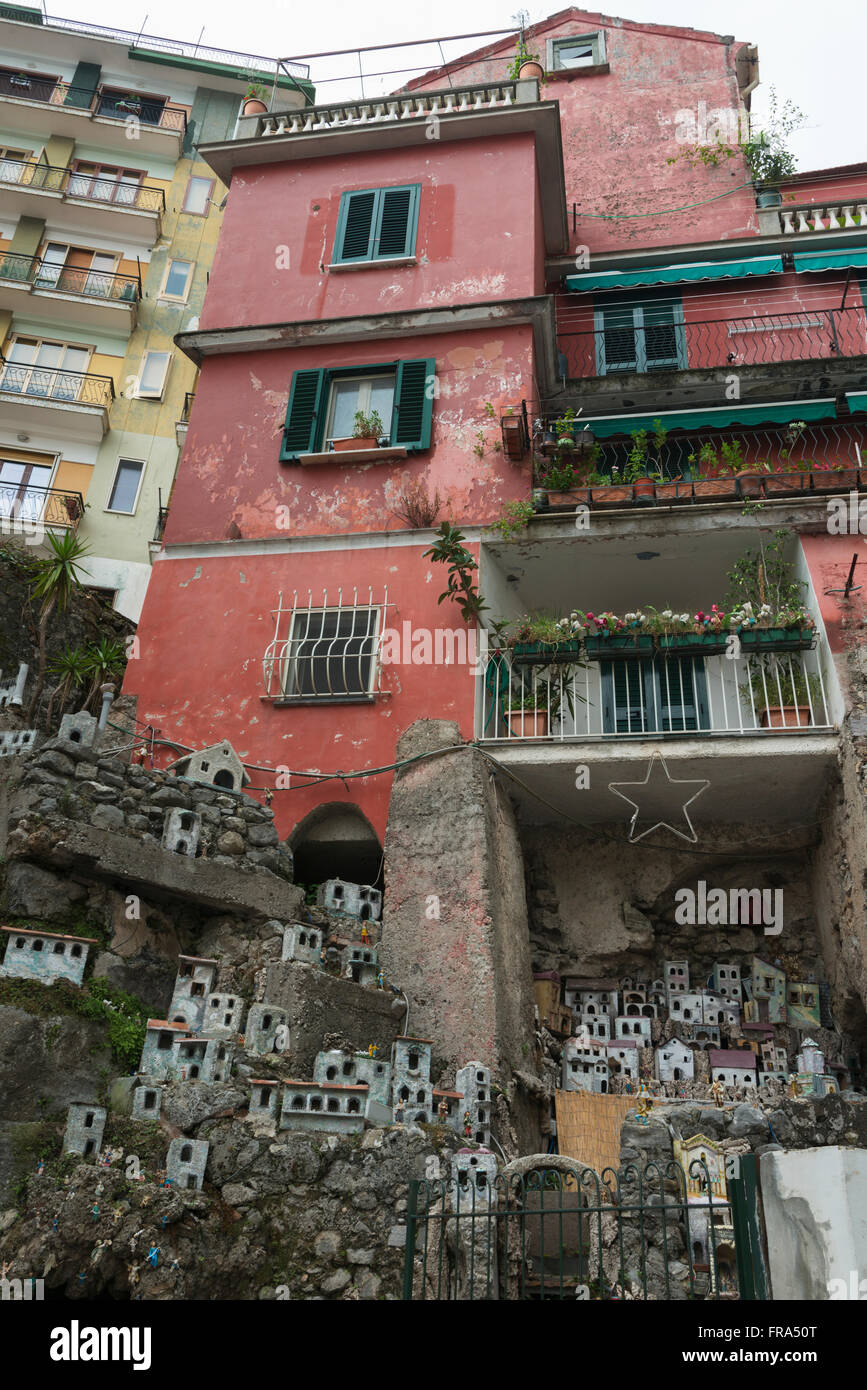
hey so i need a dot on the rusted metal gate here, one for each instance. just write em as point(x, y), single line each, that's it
point(562, 1231)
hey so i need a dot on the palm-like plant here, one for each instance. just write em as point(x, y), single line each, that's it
point(56, 581)
point(102, 660)
point(70, 670)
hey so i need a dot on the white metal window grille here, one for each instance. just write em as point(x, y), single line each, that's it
point(328, 651)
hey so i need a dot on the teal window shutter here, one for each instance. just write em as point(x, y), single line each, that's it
point(355, 223)
point(654, 696)
point(303, 417)
point(640, 337)
point(377, 224)
point(413, 404)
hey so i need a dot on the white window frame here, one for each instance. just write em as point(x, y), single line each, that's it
point(155, 395)
point(117, 511)
point(209, 195)
point(364, 384)
point(595, 40)
point(177, 298)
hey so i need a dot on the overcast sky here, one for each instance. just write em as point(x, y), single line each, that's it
point(816, 57)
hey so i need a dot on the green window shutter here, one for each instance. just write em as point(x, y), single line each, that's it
point(661, 336)
point(306, 401)
point(355, 223)
point(413, 404)
point(397, 221)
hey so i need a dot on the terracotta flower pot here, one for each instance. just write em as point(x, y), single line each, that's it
point(787, 482)
point(715, 487)
point(570, 498)
point(528, 723)
point(366, 442)
point(531, 69)
point(834, 479)
point(750, 483)
point(644, 487)
point(677, 490)
point(785, 716)
point(254, 107)
point(611, 495)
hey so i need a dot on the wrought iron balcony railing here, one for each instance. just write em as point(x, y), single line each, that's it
point(144, 197)
point(817, 458)
point(55, 384)
point(189, 397)
point(648, 698)
point(104, 101)
point(91, 284)
point(732, 342)
point(28, 506)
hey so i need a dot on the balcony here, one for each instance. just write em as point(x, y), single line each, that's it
point(39, 106)
point(759, 733)
point(44, 399)
point(23, 509)
point(91, 204)
point(182, 424)
point(680, 361)
point(800, 462)
point(95, 299)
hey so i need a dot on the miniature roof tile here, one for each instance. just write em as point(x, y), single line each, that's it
point(581, 983)
point(733, 1058)
point(547, 975)
point(52, 935)
point(621, 1042)
point(263, 1081)
point(402, 1037)
point(758, 1027)
point(453, 1095)
point(164, 1023)
point(200, 960)
point(327, 1086)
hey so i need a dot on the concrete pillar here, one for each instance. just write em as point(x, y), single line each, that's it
point(455, 934)
point(27, 237)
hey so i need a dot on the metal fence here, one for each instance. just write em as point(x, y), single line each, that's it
point(56, 384)
point(652, 1232)
point(733, 341)
point(99, 101)
point(43, 274)
point(28, 504)
point(762, 692)
point(51, 178)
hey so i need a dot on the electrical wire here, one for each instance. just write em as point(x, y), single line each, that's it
point(663, 212)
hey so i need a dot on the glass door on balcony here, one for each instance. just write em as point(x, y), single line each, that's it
point(37, 368)
point(655, 696)
point(105, 183)
point(12, 164)
point(23, 489)
point(640, 337)
point(148, 109)
point(53, 260)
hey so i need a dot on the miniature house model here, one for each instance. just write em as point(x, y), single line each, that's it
point(45, 956)
point(193, 985)
point(673, 1061)
point(733, 1066)
point(84, 1126)
point(216, 766)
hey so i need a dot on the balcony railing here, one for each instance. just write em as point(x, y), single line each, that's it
point(104, 101)
point(50, 506)
point(420, 106)
point(822, 217)
point(817, 459)
point(675, 696)
point(189, 397)
point(49, 178)
point(90, 284)
point(55, 384)
point(814, 335)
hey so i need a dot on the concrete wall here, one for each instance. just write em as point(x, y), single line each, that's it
point(455, 927)
point(816, 1221)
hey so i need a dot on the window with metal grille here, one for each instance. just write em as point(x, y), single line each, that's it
point(376, 224)
point(663, 695)
point(640, 337)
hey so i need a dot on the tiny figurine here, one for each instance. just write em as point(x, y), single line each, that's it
point(718, 1091)
point(269, 795)
point(365, 934)
point(468, 1128)
point(40, 1167)
point(380, 980)
point(81, 1276)
point(54, 1224)
point(153, 1255)
point(443, 1110)
point(175, 1264)
point(642, 1110)
point(372, 1049)
point(95, 1212)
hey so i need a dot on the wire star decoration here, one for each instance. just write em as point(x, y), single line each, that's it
point(659, 780)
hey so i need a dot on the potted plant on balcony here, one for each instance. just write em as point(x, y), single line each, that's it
point(565, 484)
point(610, 489)
point(539, 640)
point(73, 508)
point(767, 155)
point(792, 476)
point(131, 105)
point(613, 636)
point(782, 693)
point(564, 428)
point(254, 104)
point(527, 715)
point(715, 478)
point(525, 64)
point(831, 477)
point(639, 470)
point(365, 435)
point(765, 601)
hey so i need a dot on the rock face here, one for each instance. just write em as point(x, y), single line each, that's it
point(304, 1217)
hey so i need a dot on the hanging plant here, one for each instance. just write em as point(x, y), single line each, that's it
point(462, 567)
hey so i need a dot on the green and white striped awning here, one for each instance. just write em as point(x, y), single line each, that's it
point(676, 274)
point(714, 417)
point(856, 400)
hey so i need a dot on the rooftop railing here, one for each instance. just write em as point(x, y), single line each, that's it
point(418, 106)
